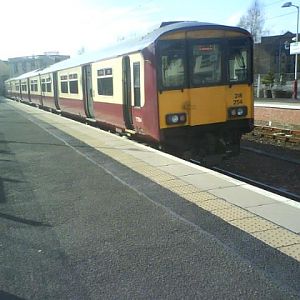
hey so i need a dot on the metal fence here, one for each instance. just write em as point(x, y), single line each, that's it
point(280, 87)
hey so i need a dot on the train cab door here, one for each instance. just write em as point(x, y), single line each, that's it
point(87, 91)
point(55, 90)
point(126, 81)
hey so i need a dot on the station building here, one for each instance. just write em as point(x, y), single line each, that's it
point(21, 65)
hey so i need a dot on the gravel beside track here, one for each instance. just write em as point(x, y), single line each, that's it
point(271, 171)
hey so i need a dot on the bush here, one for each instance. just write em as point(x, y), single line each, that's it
point(268, 79)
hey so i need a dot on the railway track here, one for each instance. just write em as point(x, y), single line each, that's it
point(272, 155)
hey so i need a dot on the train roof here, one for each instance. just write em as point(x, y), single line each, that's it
point(129, 46)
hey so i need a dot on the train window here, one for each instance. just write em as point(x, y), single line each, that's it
point(101, 72)
point(73, 83)
point(206, 64)
point(105, 82)
point(105, 86)
point(24, 87)
point(108, 71)
point(172, 69)
point(64, 87)
point(43, 85)
point(48, 89)
point(73, 76)
point(238, 61)
point(48, 85)
point(34, 85)
point(73, 86)
point(136, 84)
point(172, 64)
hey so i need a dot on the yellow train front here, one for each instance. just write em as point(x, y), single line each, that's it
point(205, 96)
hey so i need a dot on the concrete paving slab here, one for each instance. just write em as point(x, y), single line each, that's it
point(151, 158)
point(180, 170)
point(285, 215)
point(207, 181)
point(242, 197)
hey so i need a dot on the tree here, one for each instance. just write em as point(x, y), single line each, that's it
point(253, 20)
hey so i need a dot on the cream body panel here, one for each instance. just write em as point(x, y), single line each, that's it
point(67, 72)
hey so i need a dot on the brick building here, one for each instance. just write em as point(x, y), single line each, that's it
point(273, 55)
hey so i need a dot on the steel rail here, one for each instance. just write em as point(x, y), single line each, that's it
point(261, 152)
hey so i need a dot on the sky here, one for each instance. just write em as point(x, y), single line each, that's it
point(33, 27)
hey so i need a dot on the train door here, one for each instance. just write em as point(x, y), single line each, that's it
point(206, 79)
point(21, 92)
point(126, 80)
point(28, 90)
point(55, 90)
point(43, 88)
point(87, 90)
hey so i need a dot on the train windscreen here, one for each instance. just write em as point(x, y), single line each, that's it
point(196, 63)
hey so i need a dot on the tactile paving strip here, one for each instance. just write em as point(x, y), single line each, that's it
point(233, 213)
point(278, 237)
point(255, 224)
point(216, 204)
point(293, 251)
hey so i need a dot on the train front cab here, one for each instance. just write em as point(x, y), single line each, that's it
point(205, 91)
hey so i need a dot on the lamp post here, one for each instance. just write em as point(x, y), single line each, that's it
point(295, 89)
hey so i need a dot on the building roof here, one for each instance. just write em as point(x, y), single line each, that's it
point(129, 46)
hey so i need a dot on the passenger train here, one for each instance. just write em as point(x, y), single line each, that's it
point(186, 86)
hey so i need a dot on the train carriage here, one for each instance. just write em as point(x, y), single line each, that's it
point(185, 86)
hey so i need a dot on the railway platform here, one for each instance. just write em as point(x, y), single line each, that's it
point(85, 214)
point(282, 113)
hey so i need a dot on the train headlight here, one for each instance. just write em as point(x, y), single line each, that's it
point(234, 112)
point(240, 111)
point(172, 119)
